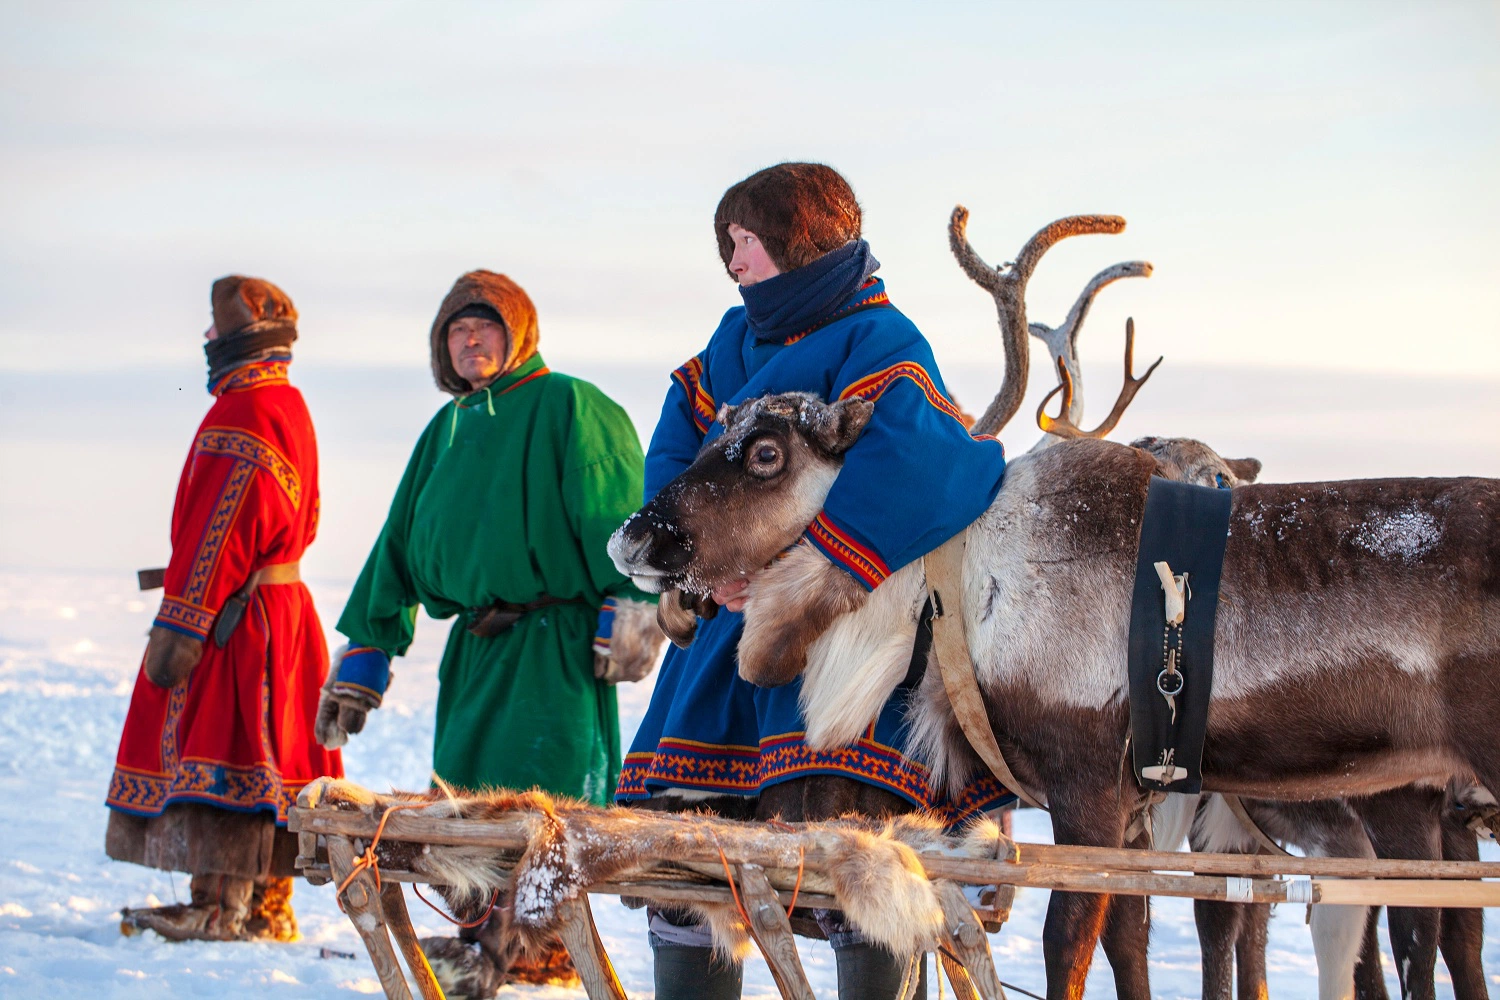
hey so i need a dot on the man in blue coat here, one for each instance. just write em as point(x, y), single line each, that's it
point(814, 319)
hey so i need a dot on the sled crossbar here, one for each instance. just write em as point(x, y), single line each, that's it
point(335, 833)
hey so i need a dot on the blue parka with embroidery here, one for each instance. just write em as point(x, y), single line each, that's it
point(914, 479)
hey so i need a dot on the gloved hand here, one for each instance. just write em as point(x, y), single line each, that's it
point(170, 656)
point(627, 641)
point(357, 681)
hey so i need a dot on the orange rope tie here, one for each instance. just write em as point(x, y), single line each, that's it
point(729, 876)
point(494, 898)
point(801, 860)
point(367, 859)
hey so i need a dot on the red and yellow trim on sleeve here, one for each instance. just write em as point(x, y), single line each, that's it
point(238, 443)
point(862, 562)
point(185, 617)
point(872, 387)
point(700, 402)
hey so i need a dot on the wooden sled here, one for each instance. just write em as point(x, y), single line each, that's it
point(369, 844)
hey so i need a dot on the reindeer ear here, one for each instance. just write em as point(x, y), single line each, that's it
point(1244, 469)
point(726, 414)
point(843, 423)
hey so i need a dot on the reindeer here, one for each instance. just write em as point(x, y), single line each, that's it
point(1358, 645)
point(1232, 935)
point(1412, 823)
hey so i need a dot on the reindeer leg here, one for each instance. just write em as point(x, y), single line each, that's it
point(1250, 951)
point(1075, 920)
point(1126, 937)
point(1218, 938)
point(1462, 940)
point(1405, 823)
point(1369, 974)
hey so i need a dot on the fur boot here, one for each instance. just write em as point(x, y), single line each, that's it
point(220, 907)
point(271, 917)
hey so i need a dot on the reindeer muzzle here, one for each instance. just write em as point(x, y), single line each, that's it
point(650, 550)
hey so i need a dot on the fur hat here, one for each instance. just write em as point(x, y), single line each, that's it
point(508, 299)
point(239, 301)
point(800, 211)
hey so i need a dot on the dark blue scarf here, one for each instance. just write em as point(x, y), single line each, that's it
point(789, 303)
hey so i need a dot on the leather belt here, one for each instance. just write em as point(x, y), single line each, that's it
point(234, 608)
point(496, 618)
point(289, 572)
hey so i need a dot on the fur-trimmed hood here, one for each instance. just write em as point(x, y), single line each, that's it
point(502, 295)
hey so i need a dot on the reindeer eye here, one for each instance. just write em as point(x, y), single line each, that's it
point(764, 459)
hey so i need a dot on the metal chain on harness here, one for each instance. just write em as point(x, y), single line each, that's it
point(1171, 680)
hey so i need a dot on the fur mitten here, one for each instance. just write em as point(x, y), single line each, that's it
point(357, 682)
point(630, 651)
point(170, 657)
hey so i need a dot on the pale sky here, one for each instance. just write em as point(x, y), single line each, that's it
point(1314, 182)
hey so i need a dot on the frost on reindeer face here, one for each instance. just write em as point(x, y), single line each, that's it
point(749, 494)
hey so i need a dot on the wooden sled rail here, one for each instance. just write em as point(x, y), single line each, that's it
point(761, 868)
point(1043, 866)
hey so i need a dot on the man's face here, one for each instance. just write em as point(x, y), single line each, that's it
point(478, 348)
point(750, 262)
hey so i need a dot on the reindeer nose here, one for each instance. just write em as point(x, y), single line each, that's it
point(629, 549)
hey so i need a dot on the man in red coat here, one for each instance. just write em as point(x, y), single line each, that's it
point(219, 737)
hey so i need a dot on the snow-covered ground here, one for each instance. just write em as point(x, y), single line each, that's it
point(69, 649)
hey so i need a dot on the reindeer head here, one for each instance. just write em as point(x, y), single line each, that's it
point(749, 494)
point(1190, 461)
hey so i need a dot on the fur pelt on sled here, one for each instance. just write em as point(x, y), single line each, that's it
point(870, 866)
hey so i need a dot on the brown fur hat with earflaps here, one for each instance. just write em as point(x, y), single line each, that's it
point(508, 299)
point(239, 301)
point(799, 211)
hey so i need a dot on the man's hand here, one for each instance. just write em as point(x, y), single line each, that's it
point(733, 594)
point(170, 657)
point(345, 701)
point(634, 644)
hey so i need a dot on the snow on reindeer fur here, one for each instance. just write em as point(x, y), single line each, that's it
point(1408, 534)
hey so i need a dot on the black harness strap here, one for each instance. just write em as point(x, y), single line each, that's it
point(1188, 528)
point(920, 647)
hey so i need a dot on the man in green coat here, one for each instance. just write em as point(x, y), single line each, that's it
point(502, 519)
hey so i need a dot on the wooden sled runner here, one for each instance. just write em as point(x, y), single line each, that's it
point(902, 881)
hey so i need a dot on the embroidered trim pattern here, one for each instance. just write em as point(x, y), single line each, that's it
point(247, 789)
point(242, 444)
point(700, 402)
point(253, 376)
point(872, 387)
point(840, 546)
point(877, 300)
point(737, 770)
point(185, 617)
point(217, 530)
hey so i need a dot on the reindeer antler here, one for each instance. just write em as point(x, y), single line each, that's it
point(1062, 340)
point(1008, 286)
point(1063, 426)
